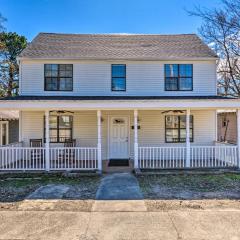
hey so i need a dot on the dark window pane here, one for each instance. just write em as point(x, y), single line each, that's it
point(118, 84)
point(172, 135)
point(69, 67)
point(182, 135)
point(172, 121)
point(171, 70)
point(48, 67)
point(51, 84)
point(65, 133)
point(54, 67)
point(118, 70)
point(182, 121)
point(65, 84)
point(53, 122)
point(58, 77)
point(65, 121)
point(172, 84)
point(185, 70)
point(53, 135)
point(185, 83)
point(62, 67)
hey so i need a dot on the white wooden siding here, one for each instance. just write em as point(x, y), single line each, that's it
point(152, 132)
point(94, 78)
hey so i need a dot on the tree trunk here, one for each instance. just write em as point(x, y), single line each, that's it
point(10, 82)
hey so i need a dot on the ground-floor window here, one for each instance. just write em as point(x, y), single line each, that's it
point(175, 128)
point(60, 128)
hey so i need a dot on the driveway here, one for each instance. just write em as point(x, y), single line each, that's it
point(191, 224)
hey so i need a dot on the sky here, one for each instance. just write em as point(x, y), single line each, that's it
point(29, 17)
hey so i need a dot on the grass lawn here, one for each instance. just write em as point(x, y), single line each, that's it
point(15, 187)
point(209, 186)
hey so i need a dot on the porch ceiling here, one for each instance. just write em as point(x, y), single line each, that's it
point(117, 102)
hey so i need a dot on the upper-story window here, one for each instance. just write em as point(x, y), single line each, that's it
point(118, 77)
point(58, 77)
point(178, 77)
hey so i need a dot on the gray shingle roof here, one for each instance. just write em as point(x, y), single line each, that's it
point(117, 46)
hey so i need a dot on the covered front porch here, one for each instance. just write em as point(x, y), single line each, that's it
point(80, 139)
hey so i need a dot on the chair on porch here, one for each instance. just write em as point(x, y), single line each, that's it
point(67, 156)
point(36, 154)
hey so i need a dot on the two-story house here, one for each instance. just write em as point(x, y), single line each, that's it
point(89, 99)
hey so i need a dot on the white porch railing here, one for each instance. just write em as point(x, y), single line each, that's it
point(61, 158)
point(162, 157)
point(75, 158)
point(22, 158)
point(175, 157)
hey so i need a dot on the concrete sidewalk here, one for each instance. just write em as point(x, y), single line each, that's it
point(190, 224)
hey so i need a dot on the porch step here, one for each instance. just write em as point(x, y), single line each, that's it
point(117, 169)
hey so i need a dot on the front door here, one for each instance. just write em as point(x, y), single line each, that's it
point(3, 133)
point(118, 136)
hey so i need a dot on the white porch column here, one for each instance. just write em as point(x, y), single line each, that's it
point(238, 135)
point(135, 138)
point(47, 159)
point(188, 138)
point(99, 141)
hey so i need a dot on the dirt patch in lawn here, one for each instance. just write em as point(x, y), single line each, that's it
point(164, 192)
point(15, 188)
point(191, 187)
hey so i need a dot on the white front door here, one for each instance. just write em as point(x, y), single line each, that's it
point(3, 133)
point(118, 136)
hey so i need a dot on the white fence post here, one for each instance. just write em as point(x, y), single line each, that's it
point(188, 138)
point(135, 139)
point(99, 142)
point(47, 149)
point(238, 136)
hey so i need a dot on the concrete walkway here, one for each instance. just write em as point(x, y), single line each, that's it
point(119, 186)
point(50, 191)
point(115, 188)
point(74, 225)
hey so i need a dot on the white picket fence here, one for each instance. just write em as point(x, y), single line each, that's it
point(200, 157)
point(30, 158)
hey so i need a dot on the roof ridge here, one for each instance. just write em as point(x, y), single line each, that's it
point(120, 34)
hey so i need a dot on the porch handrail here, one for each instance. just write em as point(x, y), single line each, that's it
point(61, 158)
point(200, 156)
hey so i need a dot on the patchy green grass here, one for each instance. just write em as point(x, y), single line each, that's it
point(15, 187)
point(190, 186)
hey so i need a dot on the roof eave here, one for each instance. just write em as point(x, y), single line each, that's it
point(121, 59)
